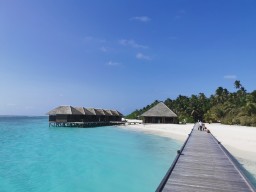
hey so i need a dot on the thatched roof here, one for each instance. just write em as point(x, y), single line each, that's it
point(116, 113)
point(65, 110)
point(84, 111)
point(110, 112)
point(107, 112)
point(69, 110)
point(80, 109)
point(120, 114)
point(91, 110)
point(87, 112)
point(99, 112)
point(159, 110)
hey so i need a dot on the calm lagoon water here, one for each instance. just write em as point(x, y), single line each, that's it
point(34, 157)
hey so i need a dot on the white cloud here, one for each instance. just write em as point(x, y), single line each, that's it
point(142, 56)
point(111, 63)
point(230, 77)
point(141, 19)
point(131, 43)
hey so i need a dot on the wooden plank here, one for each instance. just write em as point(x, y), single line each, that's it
point(205, 166)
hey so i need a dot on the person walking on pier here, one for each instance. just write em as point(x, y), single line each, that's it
point(203, 127)
point(200, 126)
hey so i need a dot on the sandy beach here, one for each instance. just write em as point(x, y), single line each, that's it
point(239, 140)
point(174, 131)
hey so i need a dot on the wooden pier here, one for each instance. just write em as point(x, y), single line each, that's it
point(203, 164)
point(84, 124)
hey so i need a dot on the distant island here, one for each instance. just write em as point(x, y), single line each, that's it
point(226, 107)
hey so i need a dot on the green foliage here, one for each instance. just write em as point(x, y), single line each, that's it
point(223, 106)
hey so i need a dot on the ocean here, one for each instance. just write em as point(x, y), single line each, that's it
point(38, 158)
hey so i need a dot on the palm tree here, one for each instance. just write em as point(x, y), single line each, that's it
point(219, 91)
point(221, 95)
point(237, 84)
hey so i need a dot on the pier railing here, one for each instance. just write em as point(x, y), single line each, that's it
point(237, 165)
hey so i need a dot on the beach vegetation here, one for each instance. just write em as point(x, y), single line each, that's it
point(232, 108)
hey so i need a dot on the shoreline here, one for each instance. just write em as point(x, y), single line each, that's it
point(174, 131)
point(240, 141)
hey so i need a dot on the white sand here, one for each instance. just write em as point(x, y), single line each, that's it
point(239, 140)
point(174, 131)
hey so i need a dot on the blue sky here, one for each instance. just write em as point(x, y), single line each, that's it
point(121, 54)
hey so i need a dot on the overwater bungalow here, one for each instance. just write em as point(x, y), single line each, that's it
point(160, 113)
point(72, 116)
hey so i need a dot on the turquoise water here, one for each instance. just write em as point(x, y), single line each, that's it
point(34, 157)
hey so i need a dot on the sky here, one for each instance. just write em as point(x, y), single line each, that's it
point(120, 54)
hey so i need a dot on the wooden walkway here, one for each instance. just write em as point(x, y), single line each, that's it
point(204, 165)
